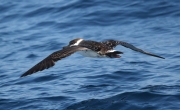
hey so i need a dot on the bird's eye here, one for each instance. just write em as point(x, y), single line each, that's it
point(71, 43)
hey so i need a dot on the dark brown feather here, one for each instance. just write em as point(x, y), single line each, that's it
point(51, 59)
point(95, 46)
point(112, 44)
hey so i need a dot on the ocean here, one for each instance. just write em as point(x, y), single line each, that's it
point(32, 30)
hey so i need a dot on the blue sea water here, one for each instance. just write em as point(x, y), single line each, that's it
point(31, 30)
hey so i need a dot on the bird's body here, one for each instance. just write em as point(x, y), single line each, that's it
point(93, 54)
point(86, 48)
point(90, 53)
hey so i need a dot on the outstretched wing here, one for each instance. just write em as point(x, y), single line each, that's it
point(51, 59)
point(112, 44)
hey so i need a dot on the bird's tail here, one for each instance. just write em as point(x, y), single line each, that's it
point(114, 54)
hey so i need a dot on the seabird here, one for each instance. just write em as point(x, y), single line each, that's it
point(86, 48)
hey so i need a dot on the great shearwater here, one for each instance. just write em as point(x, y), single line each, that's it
point(86, 48)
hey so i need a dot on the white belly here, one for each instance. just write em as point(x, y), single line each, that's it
point(90, 53)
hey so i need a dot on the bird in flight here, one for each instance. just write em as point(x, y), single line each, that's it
point(87, 48)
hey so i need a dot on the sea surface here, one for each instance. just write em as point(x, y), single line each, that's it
point(30, 30)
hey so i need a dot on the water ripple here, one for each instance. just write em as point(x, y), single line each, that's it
point(30, 31)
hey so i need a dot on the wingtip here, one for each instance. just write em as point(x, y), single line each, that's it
point(22, 76)
point(161, 57)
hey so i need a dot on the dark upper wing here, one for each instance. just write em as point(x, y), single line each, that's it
point(93, 45)
point(112, 43)
point(51, 59)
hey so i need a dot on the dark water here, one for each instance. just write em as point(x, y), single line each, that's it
point(31, 30)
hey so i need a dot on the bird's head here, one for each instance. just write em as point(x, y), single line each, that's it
point(75, 42)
